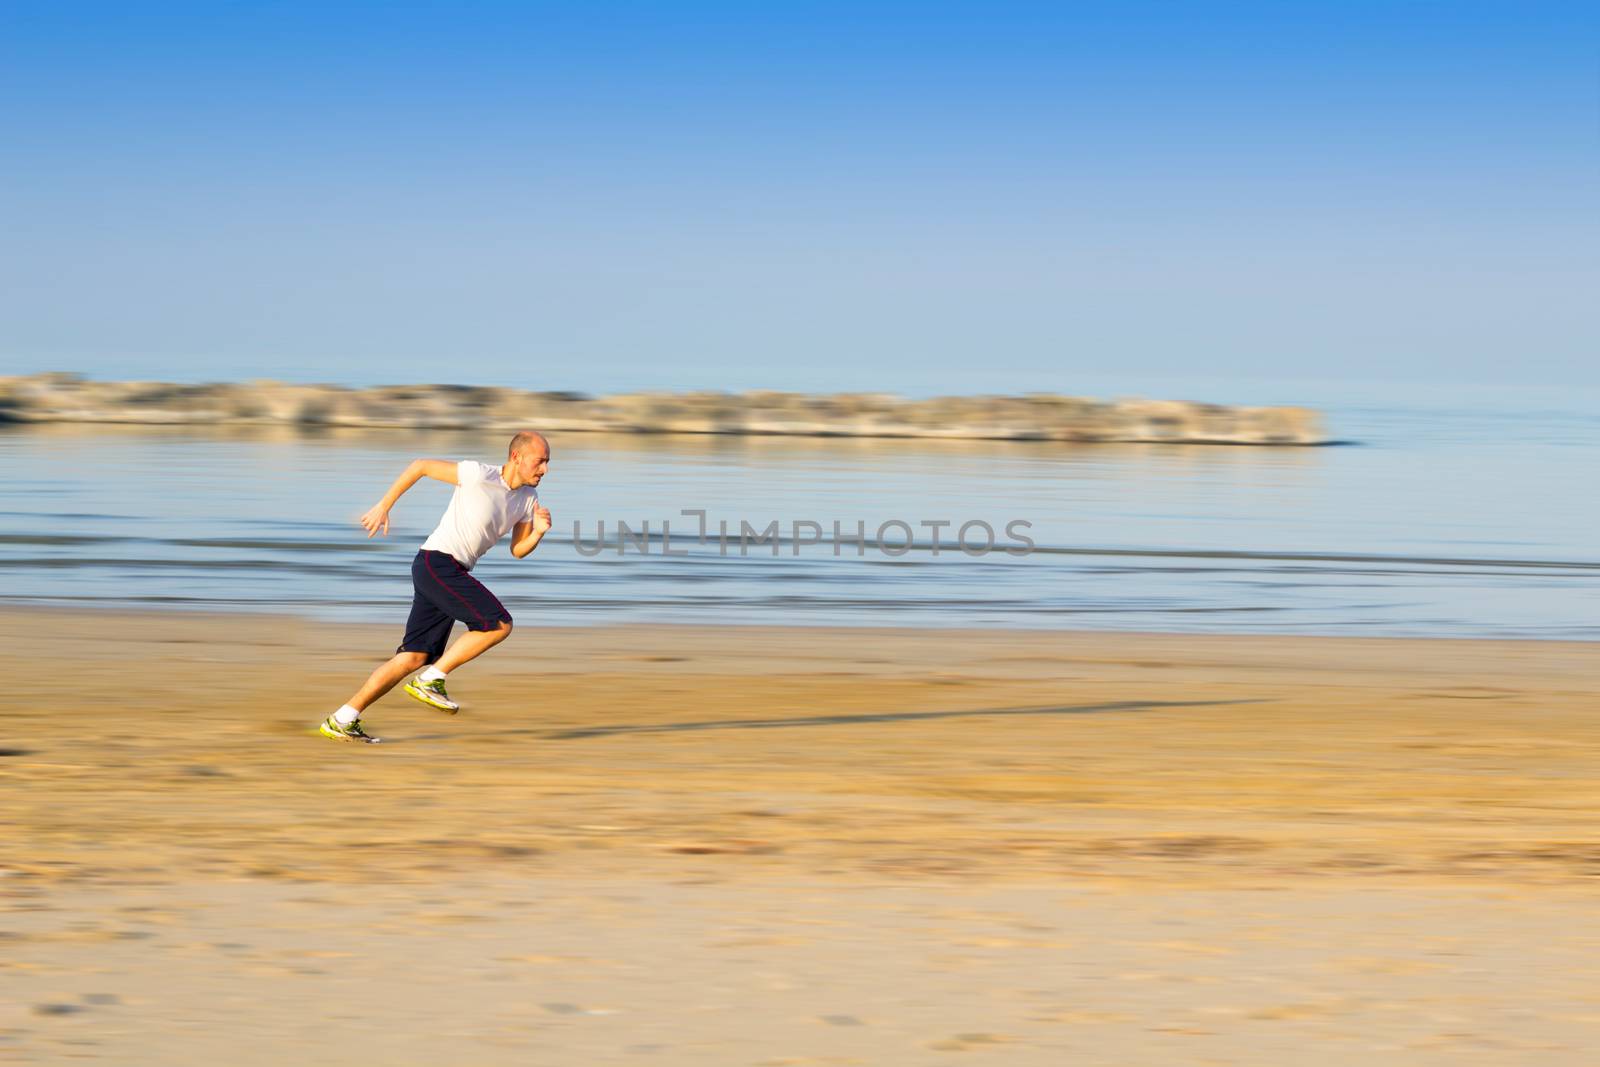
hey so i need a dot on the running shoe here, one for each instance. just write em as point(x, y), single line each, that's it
point(432, 694)
point(333, 728)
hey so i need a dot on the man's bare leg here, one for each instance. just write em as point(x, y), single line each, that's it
point(386, 677)
point(469, 646)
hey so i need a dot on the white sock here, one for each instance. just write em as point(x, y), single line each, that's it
point(346, 715)
point(431, 674)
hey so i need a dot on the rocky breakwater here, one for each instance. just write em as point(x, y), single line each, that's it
point(1035, 417)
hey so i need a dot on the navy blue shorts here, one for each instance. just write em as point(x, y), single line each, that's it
point(446, 592)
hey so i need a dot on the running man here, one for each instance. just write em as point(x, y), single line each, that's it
point(488, 501)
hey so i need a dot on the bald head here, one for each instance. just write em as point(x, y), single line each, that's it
point(526, 460)
point(523, 439)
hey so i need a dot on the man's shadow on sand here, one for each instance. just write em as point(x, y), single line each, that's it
point(851, 720)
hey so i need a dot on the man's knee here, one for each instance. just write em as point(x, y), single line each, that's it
point(413, 660)
point(504, 628)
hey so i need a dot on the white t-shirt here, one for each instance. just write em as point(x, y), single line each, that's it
point(482, 510)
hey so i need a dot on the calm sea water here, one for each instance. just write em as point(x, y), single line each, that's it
point(1465, 519)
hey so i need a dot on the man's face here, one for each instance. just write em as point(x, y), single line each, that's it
point(531, 463)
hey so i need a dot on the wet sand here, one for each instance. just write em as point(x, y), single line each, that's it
point(795, 846)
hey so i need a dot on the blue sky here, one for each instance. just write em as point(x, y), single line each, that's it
point(914, 198)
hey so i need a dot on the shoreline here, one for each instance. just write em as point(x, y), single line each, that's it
point(1091, 748)
point(396, 618)
point(796, 845)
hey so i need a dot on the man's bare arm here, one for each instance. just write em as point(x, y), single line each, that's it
point(376, 520)
point(525, 536)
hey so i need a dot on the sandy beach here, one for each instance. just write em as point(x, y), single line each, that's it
point(683, 845)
